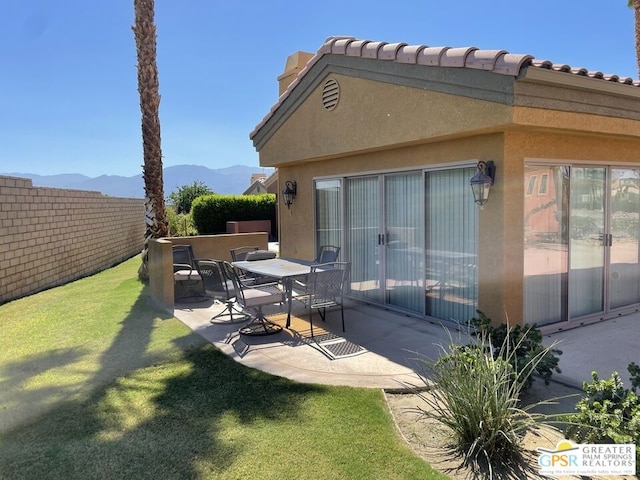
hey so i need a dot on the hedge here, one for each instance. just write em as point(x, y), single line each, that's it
point(212, 212)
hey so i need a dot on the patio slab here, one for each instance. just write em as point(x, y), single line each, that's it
point(381, 348)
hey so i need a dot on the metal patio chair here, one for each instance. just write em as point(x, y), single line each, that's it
point(326, 285)
point(252, 299)
point(239, 254)
point(220, 287)
point(327, 253)
point(188, 284)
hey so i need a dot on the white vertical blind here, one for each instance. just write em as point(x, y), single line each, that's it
point(363, 230)
point(404, 252)
point(452, 245)
point(329, 213)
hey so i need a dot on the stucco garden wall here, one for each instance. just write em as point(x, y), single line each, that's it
point(51, 236)
point(216, 247)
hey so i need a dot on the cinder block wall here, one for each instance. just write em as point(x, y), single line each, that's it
point(51, 236)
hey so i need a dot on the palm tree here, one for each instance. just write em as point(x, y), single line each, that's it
point(145, 34)
point(635, 4)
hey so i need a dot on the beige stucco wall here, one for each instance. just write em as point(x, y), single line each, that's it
point(371, 116)
point(51, 236)
point(216, 247)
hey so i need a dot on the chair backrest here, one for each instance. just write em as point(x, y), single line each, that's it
point(239, 254)
point(327, 283)
point(183, 254)
point(214, 278)
point(231, 275)
point(327, 254)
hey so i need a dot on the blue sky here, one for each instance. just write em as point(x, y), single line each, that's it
point(69, 100)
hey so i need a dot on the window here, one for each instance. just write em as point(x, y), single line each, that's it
point(542, 189)
point(531, 185)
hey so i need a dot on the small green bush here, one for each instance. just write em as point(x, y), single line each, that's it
point(212, 212)
point(180, 224)
point(525, 343)
point(609, 413)
point(476, 395)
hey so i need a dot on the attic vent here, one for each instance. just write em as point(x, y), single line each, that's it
point(330, 94)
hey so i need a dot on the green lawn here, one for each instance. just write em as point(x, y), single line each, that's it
point(96, 382)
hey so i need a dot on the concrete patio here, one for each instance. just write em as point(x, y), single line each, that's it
point(380, 348)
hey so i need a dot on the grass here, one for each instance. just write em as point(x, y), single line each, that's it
point(97, 382)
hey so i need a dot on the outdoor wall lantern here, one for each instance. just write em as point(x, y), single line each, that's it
point(481, 182)
point(289, 193)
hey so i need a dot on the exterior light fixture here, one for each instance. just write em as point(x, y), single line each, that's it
point(481, 182)
point(289, 193)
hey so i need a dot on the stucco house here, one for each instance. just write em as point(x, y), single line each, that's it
point(382, 139)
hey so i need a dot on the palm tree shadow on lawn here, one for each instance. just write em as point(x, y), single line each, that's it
point(176, 408)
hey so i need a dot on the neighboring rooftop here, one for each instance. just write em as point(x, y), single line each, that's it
point(497, 61)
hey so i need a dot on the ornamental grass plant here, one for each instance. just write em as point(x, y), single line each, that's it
point(475, 394)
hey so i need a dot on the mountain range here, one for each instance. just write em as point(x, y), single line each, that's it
point(229, 180)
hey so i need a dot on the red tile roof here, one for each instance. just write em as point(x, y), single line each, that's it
point(497, 61)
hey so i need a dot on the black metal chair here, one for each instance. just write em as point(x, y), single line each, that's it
point(251, 253)
point(252, 299)
point(326, 285)
point(220, 287)
point(239, 254)
point(327, 253)
point(188, 284)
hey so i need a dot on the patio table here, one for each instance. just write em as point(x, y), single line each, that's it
point(282, 269)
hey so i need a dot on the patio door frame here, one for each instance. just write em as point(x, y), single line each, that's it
point(607, 244)
point(382, 237)
point(607, 240)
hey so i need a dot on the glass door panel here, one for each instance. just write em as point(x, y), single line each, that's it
point(624, 268)
point(363, 236)
point(403, 253)
point(451, 245)
point(587, 236)
point(328, 213)
point(546, 243)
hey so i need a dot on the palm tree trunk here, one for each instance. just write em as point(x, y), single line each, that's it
point(148, 87)
point(636, 14)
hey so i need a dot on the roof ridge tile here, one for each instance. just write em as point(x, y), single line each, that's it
point(456, 57)
point(431, 55)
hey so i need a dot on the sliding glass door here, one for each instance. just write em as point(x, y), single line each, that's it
point(411, 238)
point(384, 238)
point(581, 242)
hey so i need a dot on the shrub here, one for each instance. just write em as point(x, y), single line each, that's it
point(184, 196)
point(180, 224)
point(476, 395)
point(525, 343)
point(609, 413)
point(212, 212)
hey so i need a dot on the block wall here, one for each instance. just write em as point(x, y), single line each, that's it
point(51, 236)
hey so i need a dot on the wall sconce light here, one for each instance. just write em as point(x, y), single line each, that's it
point(481, 182)
point(289, 193)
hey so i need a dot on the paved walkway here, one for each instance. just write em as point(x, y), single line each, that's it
point(380, 348)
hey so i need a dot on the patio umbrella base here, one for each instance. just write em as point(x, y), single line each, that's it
point(259, 328)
